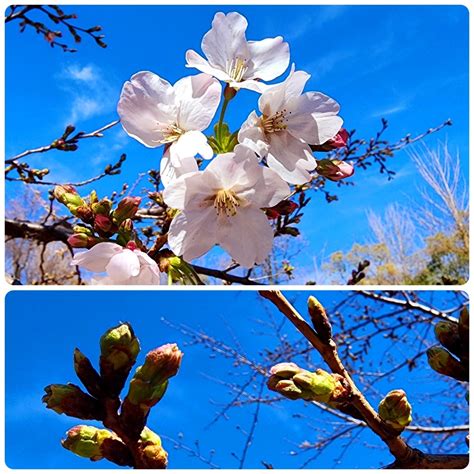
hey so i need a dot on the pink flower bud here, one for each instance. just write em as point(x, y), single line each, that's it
point(338, 141)
point(126, 209)
point(335, 170)
point(78, 241)
point(102, 223)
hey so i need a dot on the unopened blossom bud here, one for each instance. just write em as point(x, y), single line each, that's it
point(126, 209)
point(93, 197)
point(334, 170)
point(287, 388)
point(80, 229)
point(149, 385)
point(119, 348)
point(102, 207)
point(72, 401)
point(320, 384)
point(395, 410)
point(154, 456)
point(103, 224)
point(78, 241)
point(319, 319)
point(444, 363)
point(295, 383)
point(160, 365)
point(87, 374)
point(83, 212)
point(86, 441)
point(447, 333)
point(285, 370)
point(68, 196)
point(126, 226)
point(339, 141)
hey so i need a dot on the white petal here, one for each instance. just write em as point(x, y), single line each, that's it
point(250, 84)
point(314, 118)
point(275, 98)
point(123, 266)
point(290, 158)
point(225, 41)
point(97, 258)
point(170, 170)
point(198, 98)
point(272, 189)
point(247, 236)
point(191, 191)
point(192, 234)
point(193, 59)
point(146, 104)
point(229, 171)
point(270, 58)
point(191, 144)
point(252, 136)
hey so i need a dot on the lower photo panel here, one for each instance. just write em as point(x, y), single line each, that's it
point(236, 379)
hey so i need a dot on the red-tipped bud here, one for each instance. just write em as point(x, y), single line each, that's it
point(339, 141)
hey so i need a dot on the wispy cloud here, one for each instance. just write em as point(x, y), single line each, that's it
point(90, 93)
point(314, 22)
point(391, 110)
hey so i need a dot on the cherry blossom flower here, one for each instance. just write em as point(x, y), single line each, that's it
point(291, 121)
point(222, 206)
point(123, 265)
point(233, 59)
point(156, 113)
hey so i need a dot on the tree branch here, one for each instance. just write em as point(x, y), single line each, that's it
point(406, 456)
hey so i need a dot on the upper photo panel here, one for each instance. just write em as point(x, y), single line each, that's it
point(247, 145)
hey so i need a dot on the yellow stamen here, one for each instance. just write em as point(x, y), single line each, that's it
point(226, 202)
point(170, 133)
point(237, 68)
point(276, 122)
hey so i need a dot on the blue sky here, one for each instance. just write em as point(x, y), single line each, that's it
point(40, 343)
point(408, 64)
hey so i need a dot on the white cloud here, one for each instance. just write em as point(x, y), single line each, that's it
point(89, 93)
point(85, 73)
point(390, 110)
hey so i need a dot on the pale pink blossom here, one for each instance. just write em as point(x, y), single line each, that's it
point(291, 121)
point(222, 205)
point(233, 59)
point(123, 265)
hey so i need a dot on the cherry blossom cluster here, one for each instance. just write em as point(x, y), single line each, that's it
point(220, 185)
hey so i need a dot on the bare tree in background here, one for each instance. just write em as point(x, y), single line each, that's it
point(379, 342)
point(427, 243)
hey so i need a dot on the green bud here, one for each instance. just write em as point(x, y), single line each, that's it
point(154, 455)
point(320, 384)
point(119, 349)
point(395, 410)
point(287, 388)
point(149, 382)
point(444, 363)
point(86, 441)
point(80, 229)
point(102, 207)
point(148, 386)
point(72, 401)
point(67, 195)
point(93, 197)
point(319, 319)
point(177, 269)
